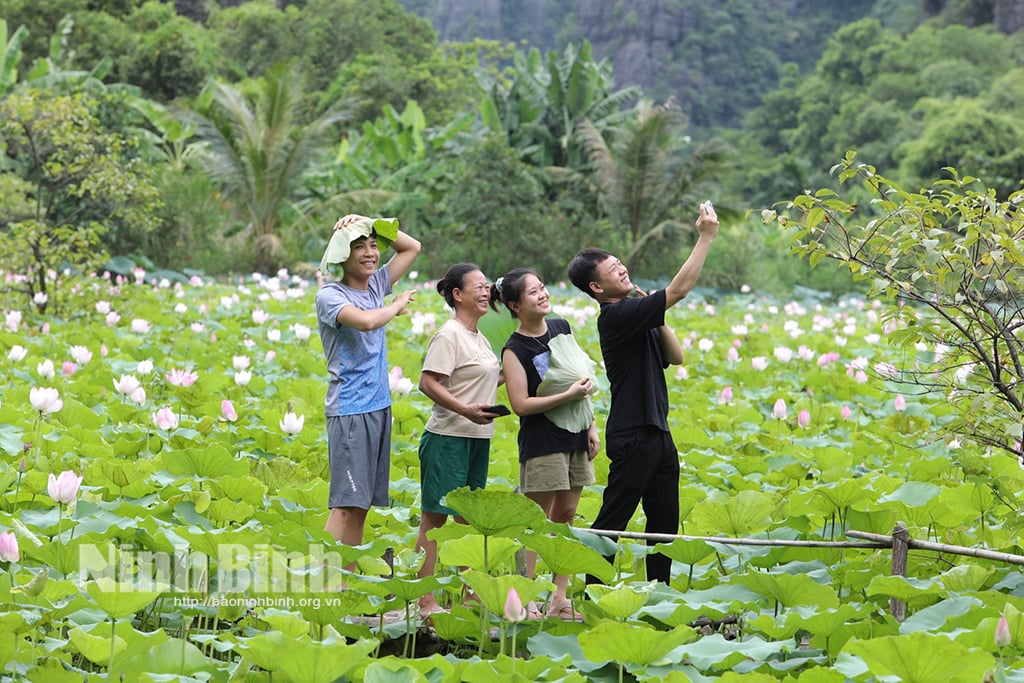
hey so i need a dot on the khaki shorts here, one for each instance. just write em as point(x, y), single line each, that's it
point(556, 472)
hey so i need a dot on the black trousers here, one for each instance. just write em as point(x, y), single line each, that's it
point(644, 469)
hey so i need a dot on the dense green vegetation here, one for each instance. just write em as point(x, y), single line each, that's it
point(250, 128)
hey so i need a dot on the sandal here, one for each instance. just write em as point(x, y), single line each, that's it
point(533, 611)
point(564, 611)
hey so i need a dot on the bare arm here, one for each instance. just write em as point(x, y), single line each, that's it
point(518, 393)
point(364, 321)
point(686, 278)
point(670, 346)
point(430, 384)
point(406, 250)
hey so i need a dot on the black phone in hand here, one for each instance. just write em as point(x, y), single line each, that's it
point(498, 410)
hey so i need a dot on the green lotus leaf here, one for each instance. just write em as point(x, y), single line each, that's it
point(245, 489)
point(568, 556)
point(174, 655)
point(119, 599)
point(921, 658)
point(745, 513)
point(469, 551)
point(503, 668)
point(392, 671)
point(913, 494)
point(208, 462)
point(94, 647)
point(304, 660)
point(687, 551)
point(965, 577)
point(790, 590)
point(562, 647)
point(622, 600)
point(933, 619)
point(405, 590)
point(492, 511)
point(458, 625)
point(905, 589)
point(332, 607)
point(493, 590)
point(716, 652)
point(631, 643)
point(285, 621)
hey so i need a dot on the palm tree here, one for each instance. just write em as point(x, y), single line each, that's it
point(258, 151)
point(539, 109)
point(641, 180)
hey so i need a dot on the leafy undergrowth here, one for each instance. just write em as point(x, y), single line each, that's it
point(194, 548)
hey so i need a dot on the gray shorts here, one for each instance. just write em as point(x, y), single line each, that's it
point(359, 448)
point(556, 472)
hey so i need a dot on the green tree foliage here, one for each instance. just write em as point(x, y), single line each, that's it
point(500, 218)
point(540, 105)
point(259, 149)
point(170, 56)
point(954, 255)
point(75, 183)
point(644, 182)
point(890, 97)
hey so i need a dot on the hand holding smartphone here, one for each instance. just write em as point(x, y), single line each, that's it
point(498, 410)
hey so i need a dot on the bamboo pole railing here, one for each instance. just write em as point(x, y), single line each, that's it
point(899, 542)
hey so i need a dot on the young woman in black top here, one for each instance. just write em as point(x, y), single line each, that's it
point(554, 464)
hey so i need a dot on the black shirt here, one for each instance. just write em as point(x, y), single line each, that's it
point(635, 362)
point(537, 434)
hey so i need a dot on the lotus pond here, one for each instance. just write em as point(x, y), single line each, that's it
point(193, 548)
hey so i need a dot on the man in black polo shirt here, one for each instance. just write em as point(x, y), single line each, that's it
point(637, 346)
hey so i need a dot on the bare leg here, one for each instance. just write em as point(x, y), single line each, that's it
point(428, 521)
point(562, 510)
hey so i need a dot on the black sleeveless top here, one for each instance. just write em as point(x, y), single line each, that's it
point(537, 434)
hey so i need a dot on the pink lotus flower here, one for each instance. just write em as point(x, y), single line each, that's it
point(165, 419)
point(292, 423)
point(240, 362)
point(682, 373)
point(900, 404)
point(127, 384)
point(243, 377)
point(227, 411)
point(514, 610)
point(45, 399)
point(103, 307)
point(779, 411)
point(67, 368)
point(138, 397)
point(260, 316)
point(269, 356)
point(845, 412)
point(182, 378)
point(80, 354)
point(1003, 636)
point(13, 320)
point(9, 547)
point(274, 335)
point(726, 396)
point(759, 362)
point(804, 418)
point(301, 331)
point(45, 369)
point(113, 318)
point(141, 326)
point(145, 367)
point(732, 355)
point(64, 487)
point(17, 353)
point(103, 350)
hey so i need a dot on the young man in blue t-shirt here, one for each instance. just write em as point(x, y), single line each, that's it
point(351, 314)
point(637, 346)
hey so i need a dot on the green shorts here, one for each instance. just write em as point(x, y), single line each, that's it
point(448, 463)
point(556, 472)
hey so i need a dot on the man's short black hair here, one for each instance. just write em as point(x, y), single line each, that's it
point(583, 268)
